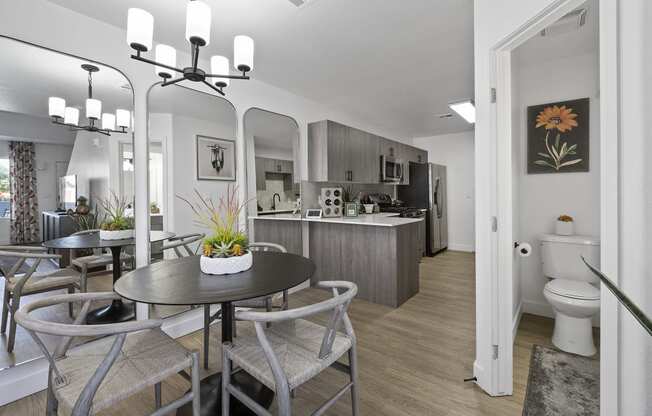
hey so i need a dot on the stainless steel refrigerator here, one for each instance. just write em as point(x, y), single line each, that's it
point(427, 190)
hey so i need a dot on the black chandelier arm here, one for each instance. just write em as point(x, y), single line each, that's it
point(149, 61)
point(243, 76)
point(91, 128)
point(171, 82)
point(218, 90)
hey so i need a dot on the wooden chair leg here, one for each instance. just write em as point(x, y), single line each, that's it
point(157, 395)
point(51, 407)
point(15, 304)
point(83, 279)
point(235, 322)
point(5, 310)
point(353, 366)
point(196, 385)
point(71, 312)
point(207, 329)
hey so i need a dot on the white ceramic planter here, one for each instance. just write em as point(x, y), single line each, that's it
point(116, 235)
point(226, 265)
point(565, 228)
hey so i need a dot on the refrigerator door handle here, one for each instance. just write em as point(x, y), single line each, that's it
point(436, 198)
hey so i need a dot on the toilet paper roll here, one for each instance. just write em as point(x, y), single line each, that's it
point(524, 249)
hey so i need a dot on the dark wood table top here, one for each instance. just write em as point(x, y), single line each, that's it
point(94, 241)
point(181, 282)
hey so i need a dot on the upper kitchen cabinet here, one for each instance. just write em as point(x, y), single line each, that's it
point(338, 153)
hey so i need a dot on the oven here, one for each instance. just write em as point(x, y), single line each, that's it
point(391, 170)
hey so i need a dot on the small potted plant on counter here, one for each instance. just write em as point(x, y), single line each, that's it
point(117, 225)
point(565, 225)
point(226, 250)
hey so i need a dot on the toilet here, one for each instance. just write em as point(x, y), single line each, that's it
point(572, 291)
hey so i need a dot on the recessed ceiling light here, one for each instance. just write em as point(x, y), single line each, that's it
point(466, 110)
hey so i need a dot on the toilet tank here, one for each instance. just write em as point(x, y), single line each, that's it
point(561, 256)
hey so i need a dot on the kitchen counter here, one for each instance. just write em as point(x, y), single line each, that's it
point(383, 219)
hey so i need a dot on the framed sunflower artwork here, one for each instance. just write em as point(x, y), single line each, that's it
point(558, 137)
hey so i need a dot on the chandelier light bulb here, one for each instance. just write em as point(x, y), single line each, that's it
point(56, 107)
point(123, 118)
point(71, 116)
point(243, 53)
point(93, 108)
point(165, 55)
point(108, 121)
point(220, 66)
point(140, 29)
point(198, 23)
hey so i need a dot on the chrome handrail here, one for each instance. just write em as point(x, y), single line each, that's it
point(640, 316)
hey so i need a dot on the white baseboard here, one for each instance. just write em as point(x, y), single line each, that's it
point(461, 247)
point(517, 320)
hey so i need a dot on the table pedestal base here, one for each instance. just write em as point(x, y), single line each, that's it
point(211, 395)
point(117, 311)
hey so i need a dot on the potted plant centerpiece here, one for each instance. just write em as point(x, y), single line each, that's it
point(116, 224)
point(565, 225)
point(226, 249)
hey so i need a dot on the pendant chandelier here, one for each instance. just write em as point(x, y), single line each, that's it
point(69, 116)
point(140, 31)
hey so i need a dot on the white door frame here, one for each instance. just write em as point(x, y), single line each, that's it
point(502, 244)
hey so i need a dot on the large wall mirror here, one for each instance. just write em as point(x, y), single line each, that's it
point(60, 158)
point(192, 142)
point(274, 178)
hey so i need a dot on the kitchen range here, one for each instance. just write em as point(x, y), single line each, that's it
point(371, 208)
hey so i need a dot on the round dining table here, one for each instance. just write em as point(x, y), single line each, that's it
point(181, 282)
point(117, 311)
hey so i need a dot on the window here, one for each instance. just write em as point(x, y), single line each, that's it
point(5, 204)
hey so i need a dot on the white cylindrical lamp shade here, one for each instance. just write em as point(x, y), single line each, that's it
point(166, 55)
point(122, 118)
point(198, 23)
point(243, 53)
point(56, 107)
point(220, 66)
point(108, 121)
point(93, 108)
point(140, 29)
point(71, 116)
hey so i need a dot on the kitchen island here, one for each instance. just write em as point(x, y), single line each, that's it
point(378, 252)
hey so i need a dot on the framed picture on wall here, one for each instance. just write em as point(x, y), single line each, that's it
point(215, 159)
point(558, 137)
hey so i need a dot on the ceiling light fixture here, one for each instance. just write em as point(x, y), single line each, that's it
point(69, 116)
point(140, 32)
point(465, 108)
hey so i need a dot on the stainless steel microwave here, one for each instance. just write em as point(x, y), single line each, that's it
point(391, 170)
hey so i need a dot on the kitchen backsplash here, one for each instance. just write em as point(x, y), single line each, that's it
point(275, 186)
point(311, 190)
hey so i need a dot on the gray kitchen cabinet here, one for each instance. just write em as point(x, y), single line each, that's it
point(284, 232)
point(266, 165)
point(261, 184)
point(338, 153)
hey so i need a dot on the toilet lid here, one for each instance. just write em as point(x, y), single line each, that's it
point(573, 289)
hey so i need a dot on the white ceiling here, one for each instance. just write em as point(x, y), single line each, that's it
point(395, 64)
point(30, 75)
point(582, 41)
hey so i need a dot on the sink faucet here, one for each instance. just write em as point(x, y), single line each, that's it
point(274, 201)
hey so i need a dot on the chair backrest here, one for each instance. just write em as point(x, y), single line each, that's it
point(22, 254)
point(267, 247)
point(184, 241)
point(77, 329)
point(339, 304)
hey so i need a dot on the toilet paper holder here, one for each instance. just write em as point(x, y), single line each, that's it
point(523, 251)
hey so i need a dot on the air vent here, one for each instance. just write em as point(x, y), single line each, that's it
point(302, 3)
point(569, 23)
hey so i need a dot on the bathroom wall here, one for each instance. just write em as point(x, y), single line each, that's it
point(543, 197)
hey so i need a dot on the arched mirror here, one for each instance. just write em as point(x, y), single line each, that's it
point(273, 178)
point(66, 166)
point(192, 142)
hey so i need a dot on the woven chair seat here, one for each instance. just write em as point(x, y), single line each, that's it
point(147, 358)
point(259, 303)
point(99, 260)
point(46, 281)
point(296, 345)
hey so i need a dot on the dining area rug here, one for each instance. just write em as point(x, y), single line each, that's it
point(560, 383)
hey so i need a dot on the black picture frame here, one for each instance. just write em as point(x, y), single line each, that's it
point(215, 158)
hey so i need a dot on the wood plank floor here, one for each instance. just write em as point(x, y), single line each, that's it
point(412, 359)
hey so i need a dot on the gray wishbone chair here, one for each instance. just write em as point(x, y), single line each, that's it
point(96, 375)
point(182, 244)
point(22, 283)
point(293, 351)
point(98, 259)
point(263, 302)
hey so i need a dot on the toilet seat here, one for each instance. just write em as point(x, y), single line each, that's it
point(573, 289)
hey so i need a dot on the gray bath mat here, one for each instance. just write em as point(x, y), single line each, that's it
point(560, 383)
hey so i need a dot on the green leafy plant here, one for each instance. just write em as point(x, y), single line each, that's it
point(226, 239)
point(114, 208)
